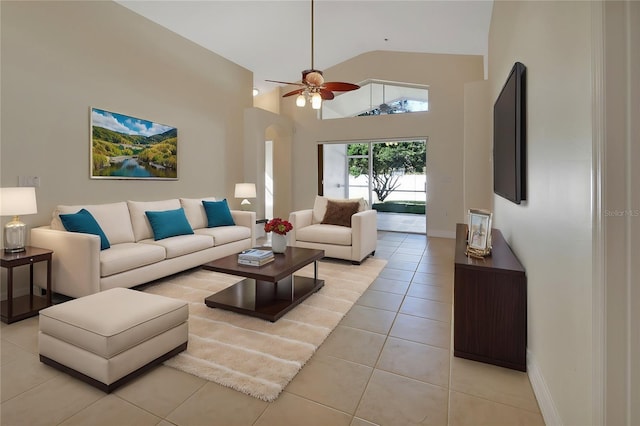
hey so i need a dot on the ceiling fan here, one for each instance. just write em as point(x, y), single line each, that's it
point(313, 86)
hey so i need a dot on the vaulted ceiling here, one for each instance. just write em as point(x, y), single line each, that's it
point(272, 38)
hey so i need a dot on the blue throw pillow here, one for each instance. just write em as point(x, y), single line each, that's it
point(84, 222)
point(169, 223)
point(218, 213)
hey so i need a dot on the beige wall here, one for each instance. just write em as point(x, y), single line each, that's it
point(446, 76)
point(260, 126)
point(61, 58)
point(478, 171)
point(268, 101)
point(551, 232)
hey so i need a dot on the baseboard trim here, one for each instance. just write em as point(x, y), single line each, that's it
point(543, 395)
point(441, 234)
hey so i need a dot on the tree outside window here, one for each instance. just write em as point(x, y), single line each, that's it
point(391, 160)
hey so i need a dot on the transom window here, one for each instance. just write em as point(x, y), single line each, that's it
point(377, 97)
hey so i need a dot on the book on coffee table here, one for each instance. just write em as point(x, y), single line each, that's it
point(255, 257)
point(255, 262)
point(255, 254)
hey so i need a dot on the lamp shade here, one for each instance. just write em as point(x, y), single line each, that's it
point(18, 201)
point(15, 202)
point(245, 190)
point(316, 101)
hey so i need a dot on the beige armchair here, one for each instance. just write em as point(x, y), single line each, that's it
point(326, 227)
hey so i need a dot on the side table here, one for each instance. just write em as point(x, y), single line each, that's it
point(490, 304)
point(19, 308)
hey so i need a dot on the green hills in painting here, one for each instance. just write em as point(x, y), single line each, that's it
point(151, 156)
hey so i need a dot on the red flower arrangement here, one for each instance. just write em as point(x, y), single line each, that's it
point(278, 226)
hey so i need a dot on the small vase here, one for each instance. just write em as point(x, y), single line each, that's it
point(278, 243)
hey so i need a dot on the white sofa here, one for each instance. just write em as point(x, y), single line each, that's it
point(80, 268)
point(352, 243)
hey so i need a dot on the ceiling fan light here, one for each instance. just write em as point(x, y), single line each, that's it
point(301, 101)
point(316, 101)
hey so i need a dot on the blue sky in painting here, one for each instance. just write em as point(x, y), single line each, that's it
point(125, 124)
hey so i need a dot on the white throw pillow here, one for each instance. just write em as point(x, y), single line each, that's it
point(113, 219)
point(141, 227)
point(194, 210)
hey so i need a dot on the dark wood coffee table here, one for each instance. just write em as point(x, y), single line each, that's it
point(268, 291)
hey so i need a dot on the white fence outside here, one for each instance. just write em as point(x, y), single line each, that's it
point(412, 188)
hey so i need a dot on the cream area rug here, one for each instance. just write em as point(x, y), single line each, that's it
point(251, 355)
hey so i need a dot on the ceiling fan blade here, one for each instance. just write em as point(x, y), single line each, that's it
point(285, 82)
point(337, 86)
point(326, 95)
point(293, 92)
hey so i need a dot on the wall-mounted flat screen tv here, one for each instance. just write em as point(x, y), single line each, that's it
point(509, 137)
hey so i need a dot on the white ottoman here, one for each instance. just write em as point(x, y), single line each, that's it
point(113, 336)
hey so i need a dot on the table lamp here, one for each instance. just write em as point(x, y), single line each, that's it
point(15, 202)
point(245, 190)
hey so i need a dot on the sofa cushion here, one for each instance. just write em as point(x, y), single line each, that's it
point(84, 222)
point(127, 256)
point(182, 244)
point(320, 206)
point(340, 213)
point(168, 223)
point(113, 219)
point(225, 234)
point(194, 210)
point(218, 213)
point(325, 234)
point(141, 227)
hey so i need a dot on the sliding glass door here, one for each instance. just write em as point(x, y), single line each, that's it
point(390, 175)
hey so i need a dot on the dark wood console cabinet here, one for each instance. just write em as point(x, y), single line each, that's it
point(490, 305)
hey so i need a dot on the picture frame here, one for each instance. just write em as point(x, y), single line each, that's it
point(479, 236)
point(126, 147)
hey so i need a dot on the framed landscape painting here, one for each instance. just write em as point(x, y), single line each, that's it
point(124, 147)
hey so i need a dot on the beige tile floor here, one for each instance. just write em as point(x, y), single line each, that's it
point(402, 222)
point(389, 362)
